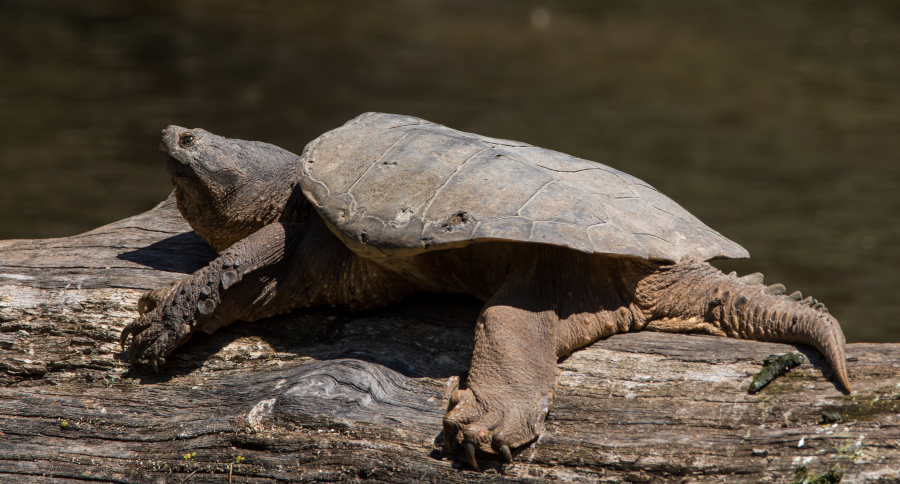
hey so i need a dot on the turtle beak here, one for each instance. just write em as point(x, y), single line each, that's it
point(168, 145)
point(169, 139)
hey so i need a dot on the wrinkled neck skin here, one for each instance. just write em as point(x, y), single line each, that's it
point(222, 221)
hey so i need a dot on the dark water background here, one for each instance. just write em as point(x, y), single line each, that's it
point(776, 123)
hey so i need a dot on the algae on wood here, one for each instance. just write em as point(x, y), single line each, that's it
point(774, 366)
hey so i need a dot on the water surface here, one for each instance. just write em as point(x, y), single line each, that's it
point(775, 123)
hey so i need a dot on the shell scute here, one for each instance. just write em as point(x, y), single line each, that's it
point(566, 235)
point(459, 224)
point(355, 145)
point(384, 121)
point(491, 184)
point(561, 202)
point(556, 161)
point(612, 239)
point(512, 228)
point(598, 181)
point(665, 204)
point(400, 185)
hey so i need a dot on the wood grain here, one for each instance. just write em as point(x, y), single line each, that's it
point(328, 395)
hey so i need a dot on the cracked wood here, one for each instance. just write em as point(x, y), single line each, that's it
point(330, 395)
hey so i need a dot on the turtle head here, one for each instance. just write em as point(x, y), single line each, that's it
point(228, 188)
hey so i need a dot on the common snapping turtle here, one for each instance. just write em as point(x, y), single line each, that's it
point(563, 251)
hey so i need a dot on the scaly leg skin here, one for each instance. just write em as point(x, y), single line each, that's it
point(246, 276)
point(510, 383)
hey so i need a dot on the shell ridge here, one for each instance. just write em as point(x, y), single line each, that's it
point(612, 197)
point(307, 153)
point(539, 190)
point(492, 141)
point(612, 171)
point(637, 195)
point(567, 171)
point(605, 222)
point(712, 232)
point(378, 159)
point(487, 139)
point(566, 243)
point(475, 229)
point(654, 236)
point(608, 222)
point(673, 215)
point(507, 217)
point(708, 241)
point(504, 217)
point(310, 150)
point(438, 190)
point(426, 123)
point(724, 241)
point(570, 224)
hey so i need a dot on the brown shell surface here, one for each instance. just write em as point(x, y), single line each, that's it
point(402, 185)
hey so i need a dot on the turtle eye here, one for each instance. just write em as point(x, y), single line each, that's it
point(186, 140)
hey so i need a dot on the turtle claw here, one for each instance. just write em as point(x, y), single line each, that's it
point(504, 451)
point(470, 454)
point(126, 332)
point(132, 329)
point(472, 427)
point(153, 365)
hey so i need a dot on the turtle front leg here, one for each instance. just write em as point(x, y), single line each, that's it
point(245, 282)
point(510, 384)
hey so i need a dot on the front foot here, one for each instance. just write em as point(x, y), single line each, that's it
point(492, 422)
point(165, 323)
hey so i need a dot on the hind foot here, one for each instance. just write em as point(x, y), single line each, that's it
point(491, 423)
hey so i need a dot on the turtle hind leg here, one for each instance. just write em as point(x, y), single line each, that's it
point(693, 296)
point(552, 301)
point(509, 387)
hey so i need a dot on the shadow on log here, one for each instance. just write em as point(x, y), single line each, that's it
point(333, 396)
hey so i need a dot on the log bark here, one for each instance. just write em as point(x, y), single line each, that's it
point(332, 396)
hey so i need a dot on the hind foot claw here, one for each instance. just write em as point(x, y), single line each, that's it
point(477, 424)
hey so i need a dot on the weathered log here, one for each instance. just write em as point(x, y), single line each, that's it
point(329, 395)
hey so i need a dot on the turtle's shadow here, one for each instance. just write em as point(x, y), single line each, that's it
point(426, 335)
point(184, 253)
point(819, 362)
point(353, 372)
